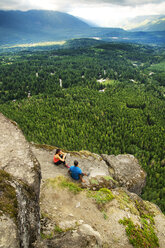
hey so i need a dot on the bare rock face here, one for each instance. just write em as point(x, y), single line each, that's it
point(84, 237)
point(126, 170)
point(89, 162)
point(16, 157)
point(70, 240)
point(19, 188)
point(8, 233)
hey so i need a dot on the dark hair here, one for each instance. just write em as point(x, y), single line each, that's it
point(57, 151)
point(75, 163)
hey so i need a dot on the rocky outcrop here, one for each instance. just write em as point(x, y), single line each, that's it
point(66, 214)
point(77, 220)
point(89, 162)
point(19, 188)
point(126, 170)
point(107, 171)
point(16, 157)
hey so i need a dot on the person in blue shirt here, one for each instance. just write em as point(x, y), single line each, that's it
point(76, 173)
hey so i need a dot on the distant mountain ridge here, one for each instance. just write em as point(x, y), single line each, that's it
point(34, 19)
point(146, 23)
point(17, 27)
point(38, 25)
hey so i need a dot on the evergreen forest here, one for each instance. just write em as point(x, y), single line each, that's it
point(103, 97)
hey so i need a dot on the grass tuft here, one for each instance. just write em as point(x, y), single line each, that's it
point(63, 182)
point(102, 196)
point(73, 187)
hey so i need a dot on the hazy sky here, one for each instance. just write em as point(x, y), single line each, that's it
point(106, 13)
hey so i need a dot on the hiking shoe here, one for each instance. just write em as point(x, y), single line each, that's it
point(67, 166)
point(88, 174)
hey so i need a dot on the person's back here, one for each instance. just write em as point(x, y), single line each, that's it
point(75, 172)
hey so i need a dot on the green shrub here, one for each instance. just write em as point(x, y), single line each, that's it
point(58, 229)
point(141, 237)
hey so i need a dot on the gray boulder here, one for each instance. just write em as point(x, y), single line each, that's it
point(16, 157)
point(126, 170)
point(19, 188)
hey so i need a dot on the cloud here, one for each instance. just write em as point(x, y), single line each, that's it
point(105, 13)
point(8, 4)
point(66, 5)
point(118, 2)
point(15, 5)
point(115, 15)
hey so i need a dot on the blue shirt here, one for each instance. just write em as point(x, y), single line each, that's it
point(75, 172)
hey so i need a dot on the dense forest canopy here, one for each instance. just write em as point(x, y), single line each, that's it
point(106, 98)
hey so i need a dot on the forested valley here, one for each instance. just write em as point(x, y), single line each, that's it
point(102, 97)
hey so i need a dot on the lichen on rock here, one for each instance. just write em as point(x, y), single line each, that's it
point(8, 198)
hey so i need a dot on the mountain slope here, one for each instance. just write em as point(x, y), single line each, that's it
point(146, 23)
point(38, 25)
point(35, 19)
point(156, 25)
point(41, 25)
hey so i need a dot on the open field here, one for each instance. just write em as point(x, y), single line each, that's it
point(48, 43)
point(108, 81)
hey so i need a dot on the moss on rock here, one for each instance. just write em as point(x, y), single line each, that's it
point(143, 209)
point(125, 201)
point(8, 199)
point(44, 146)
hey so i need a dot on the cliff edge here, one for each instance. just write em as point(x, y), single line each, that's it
point(99, 212)
point(103, 212)
point(19, 188)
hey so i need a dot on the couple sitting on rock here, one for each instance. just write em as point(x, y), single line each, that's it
point(74, 171)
